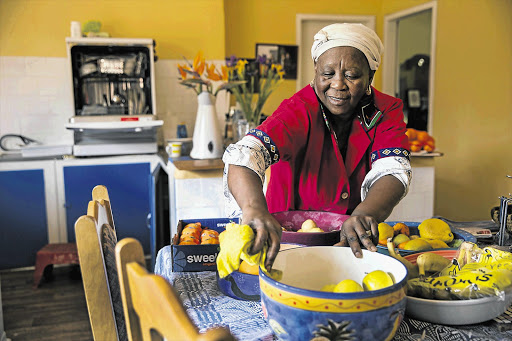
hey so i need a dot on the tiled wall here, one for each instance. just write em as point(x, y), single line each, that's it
point(36, 99)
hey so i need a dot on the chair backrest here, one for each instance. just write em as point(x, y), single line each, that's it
point(152, 307)
point(96, 239)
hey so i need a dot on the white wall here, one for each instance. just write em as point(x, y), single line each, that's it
point(36, 99)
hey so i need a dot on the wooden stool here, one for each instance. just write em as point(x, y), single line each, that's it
point(50, 254)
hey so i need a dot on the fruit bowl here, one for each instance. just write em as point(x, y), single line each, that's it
point(327, 221)
point(460, 312)
point(297, 309)
point(413, 227)
point(244, 286)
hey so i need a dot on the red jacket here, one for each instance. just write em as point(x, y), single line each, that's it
point(309, 172)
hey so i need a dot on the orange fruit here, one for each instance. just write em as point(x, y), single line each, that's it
point(422, 136)
point(210, 241)
point(211, 233)
point(383, 242)
point(401, 228)
point(411, 134)
point(428, 148)
point(402, 245)
point(190, 240)
point(430, 145)
point(190, 232)
point(249, 269)
point(415, 146)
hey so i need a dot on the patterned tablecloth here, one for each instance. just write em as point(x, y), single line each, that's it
point(209, 307)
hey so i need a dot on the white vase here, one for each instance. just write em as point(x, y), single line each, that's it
point(207, 141)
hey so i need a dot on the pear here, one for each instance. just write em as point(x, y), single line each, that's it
point(400, 238)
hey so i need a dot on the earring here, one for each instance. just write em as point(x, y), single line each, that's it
point(369, 90)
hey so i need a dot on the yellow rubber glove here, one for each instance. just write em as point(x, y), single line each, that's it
point(235, 243)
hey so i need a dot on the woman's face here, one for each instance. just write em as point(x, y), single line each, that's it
point(342, 76)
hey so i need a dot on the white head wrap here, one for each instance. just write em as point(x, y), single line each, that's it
point(355, 35)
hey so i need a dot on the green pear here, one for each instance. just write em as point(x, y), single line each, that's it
point(400, 238)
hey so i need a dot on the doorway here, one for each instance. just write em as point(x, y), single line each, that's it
point(307, 25)
point(409, 63)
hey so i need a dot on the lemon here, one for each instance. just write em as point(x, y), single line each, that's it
point(315, 229)
point(329, 287)
point(437, 244)
point(308, 225)
point(418, 244)
point(249, 269)
point(435, 229)
point(348, 285)
point(385, 231)
point(376, 280)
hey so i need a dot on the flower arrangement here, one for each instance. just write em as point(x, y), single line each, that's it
point(193, 75)
point(259, 79)
point(250, 83)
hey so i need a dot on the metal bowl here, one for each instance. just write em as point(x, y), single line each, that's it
point(460, 312)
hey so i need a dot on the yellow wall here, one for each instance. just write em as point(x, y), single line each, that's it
point(473, 87)
point(273, 21)
point(472, 106)
point(180, 28)
point(472, 96)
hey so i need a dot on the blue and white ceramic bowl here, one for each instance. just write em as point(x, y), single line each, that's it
point(297, 309)
point(244, 286)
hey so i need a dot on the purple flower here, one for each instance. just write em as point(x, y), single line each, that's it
point(231, 61)
point(262, 59)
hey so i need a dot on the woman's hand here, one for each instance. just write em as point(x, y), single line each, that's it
point(358, 230)
point(382, 197)
point(246, 187)
point(268, 231)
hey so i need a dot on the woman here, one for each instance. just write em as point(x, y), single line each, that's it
point(337, 145)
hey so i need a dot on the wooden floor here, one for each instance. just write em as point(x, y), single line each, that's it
point(56, 311)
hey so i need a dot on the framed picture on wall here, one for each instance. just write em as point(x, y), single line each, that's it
point(286, 55)
point(270, 52)
point(413, 97)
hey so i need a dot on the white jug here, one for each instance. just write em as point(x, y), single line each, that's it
point(207, 142)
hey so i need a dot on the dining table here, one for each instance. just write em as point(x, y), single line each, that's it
point(208, 307)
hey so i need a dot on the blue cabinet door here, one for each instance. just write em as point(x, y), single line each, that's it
point(129, 190)
point(23, 224)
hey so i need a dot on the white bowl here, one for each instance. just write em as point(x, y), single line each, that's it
point(455, 312)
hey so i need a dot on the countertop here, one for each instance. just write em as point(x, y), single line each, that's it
point(188, 164)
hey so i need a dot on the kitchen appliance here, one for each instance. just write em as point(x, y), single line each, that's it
point(113, 95)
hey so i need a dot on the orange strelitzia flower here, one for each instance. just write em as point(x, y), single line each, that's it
point(199, 63)
point(183, 73)
point(224, 73)
point(211, 72)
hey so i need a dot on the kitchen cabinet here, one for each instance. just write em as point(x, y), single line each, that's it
point(195, 190)
point(23, 216)
point(43, 199)
point(418, 204)
point(129, 191)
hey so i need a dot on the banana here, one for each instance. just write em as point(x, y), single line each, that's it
point(412, 268)
point(431, 262)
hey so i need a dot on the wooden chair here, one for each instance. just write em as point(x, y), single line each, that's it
point(152, 307)
point(96, 239)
